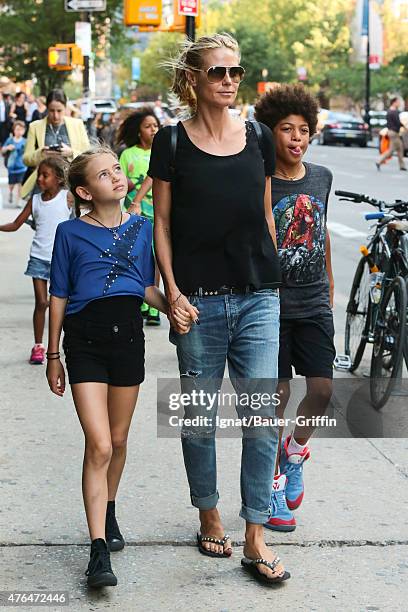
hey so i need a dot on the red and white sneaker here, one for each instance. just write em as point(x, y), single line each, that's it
point(37, 354)
point(291, 464)
point(282, 518)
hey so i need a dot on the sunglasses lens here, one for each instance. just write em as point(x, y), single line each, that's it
point(216, 74)
point(236, 73)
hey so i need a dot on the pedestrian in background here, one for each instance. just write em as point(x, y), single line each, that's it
point(4, 119)
point(13, 150)
point(102, 268)
point(137, 132)
point(300, 197)
point(55, 134)
point(394, 126)
point(19, 108)
point(48, 208)
point(31, 107)
point(214, 240)
point(41, 111)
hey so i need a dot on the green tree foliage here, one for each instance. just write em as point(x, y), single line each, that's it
point(29, 27)
point(162, 46)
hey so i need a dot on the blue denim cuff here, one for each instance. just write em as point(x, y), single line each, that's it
point(205, 503)
point(258, 517)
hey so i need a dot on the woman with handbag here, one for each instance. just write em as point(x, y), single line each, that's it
point(55, 134)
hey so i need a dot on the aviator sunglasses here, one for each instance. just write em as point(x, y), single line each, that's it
point(216, 74)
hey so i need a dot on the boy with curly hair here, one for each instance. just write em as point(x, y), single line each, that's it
point(300, 195)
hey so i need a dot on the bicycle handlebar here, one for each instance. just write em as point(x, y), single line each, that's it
point(358, 197)
point(371, 216)
point(398, 206)
point(348, 194)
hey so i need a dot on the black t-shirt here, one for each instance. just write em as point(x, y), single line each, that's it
point(300, 210)
point(218, 228)
point(393, 120)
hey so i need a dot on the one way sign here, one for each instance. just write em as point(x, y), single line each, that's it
point(85, 5)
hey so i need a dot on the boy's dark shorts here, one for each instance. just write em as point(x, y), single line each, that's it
point(111, 354)
point(307, 345)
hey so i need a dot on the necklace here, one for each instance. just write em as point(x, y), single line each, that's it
point(113, 230)
point(290, 178)
point(55, 132)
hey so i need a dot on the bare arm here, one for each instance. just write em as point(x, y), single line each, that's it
point(329, 268)
point(268, 211)
point(18, 221)
point(164, 255)
point(162, 236)
point(155, 298)
point(9, 147)
point(55, 369)
point(137, 200)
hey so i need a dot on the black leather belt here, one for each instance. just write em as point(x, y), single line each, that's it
point(224, 290)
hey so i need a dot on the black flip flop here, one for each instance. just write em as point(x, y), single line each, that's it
point(212, 540)
point(251, 566)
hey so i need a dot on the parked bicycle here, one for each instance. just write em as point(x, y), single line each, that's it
point(377, 306)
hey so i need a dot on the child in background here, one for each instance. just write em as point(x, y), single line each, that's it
point(13, 147)
point(48, 209)
point(137, 132)
point(300, 196)
point(102, 269)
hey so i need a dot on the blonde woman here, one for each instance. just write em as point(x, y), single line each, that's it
point(216, 248)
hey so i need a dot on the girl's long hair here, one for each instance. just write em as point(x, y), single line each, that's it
point(77, 174)
point(129, 130)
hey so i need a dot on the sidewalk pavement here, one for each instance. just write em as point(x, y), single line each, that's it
point(349, 551)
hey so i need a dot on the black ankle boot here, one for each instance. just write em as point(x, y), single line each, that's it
point(114, 538)
point(99, 570)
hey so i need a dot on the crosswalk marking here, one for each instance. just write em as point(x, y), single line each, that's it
point(345, 231)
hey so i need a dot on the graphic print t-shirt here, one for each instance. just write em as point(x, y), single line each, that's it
point(300, 209)
point(135, 164)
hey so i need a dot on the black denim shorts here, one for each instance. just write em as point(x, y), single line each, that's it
point(110, 352)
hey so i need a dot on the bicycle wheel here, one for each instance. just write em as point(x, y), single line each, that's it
point(389, 339)
point(357, 321)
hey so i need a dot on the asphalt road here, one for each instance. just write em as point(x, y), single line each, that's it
point(353, 170)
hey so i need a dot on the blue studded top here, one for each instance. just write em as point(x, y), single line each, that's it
point(89, 262)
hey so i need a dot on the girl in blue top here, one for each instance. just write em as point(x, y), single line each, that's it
point(101, 270)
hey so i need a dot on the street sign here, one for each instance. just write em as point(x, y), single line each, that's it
point(190, 8)
point(143, 12)
point(73, 6)
point(374, 62)
point(83, 36)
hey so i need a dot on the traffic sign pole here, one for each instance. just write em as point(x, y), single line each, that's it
point(190, 27)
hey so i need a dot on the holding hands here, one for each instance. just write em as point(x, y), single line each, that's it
point(181, 313)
